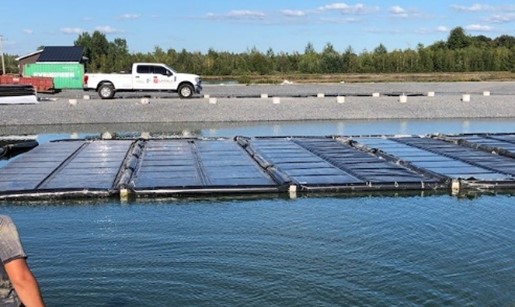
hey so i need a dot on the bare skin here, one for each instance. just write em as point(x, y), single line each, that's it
point(24, 283)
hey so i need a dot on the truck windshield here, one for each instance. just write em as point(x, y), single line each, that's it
point(171, 69)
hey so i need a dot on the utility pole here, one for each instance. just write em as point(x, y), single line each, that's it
point(2, 55)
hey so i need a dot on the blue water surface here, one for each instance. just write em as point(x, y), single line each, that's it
point(273, 251)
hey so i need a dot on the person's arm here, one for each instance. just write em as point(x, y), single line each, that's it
point(24, 282)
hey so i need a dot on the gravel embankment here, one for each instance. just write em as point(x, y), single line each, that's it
point(236, 103)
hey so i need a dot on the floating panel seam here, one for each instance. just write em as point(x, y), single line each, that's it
point(276, 174)
point(129, 166)
point(396, 160)
point(350, 172)
point(486, 148)
point(454, 157)
point(204, 178)
point(62, 165)
point(499, 139)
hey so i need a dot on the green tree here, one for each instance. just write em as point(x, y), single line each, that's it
point(380, 55)
point(96, 48)
point(458, 39)
point(505, 41)
point(349, 60)
point(118, 56)
point(330, 60)
point(310, 61)
point(258, 62)
point(459, 52)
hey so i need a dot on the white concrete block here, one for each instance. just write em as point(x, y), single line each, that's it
point(340, 99)
point(145, 101)
point(293, 191)
point(276, 100)
point(264, 96)
point(375, 95)
point(107, 135)
point(486, 93)
point(430, 94)
point(320, 95)
point(212, 101)
point(403, 98)
point(86, 97)
point(74, 135)
point(465, 98)
point(73, 102)
point(206, 96)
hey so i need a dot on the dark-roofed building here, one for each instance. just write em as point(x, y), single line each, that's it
point(65, 64)
point(62, 54)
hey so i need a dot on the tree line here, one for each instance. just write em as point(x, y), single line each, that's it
point(459, 53)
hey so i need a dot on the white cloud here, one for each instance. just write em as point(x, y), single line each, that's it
point(398, 11)
point(473, 8)
point(129, 16)
point(339, 20)
point(293, 13)
point(107, 30)
point(348, 9)
point(238, 15)
point(246, 14)
point(501, 18)
point(72, 30)
point(28, 31)
point(478, 28)
point(442, 29)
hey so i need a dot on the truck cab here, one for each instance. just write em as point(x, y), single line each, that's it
point(154, 77)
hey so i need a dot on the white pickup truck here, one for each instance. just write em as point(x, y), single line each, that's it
point(144, 77)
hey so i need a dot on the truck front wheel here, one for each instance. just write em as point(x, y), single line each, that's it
point(185, 90)
point(106, 91)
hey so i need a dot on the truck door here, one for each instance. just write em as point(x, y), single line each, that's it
point(163, 78)
point(142, 77)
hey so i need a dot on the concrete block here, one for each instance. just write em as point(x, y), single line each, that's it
point(376, 95)
point(340, 99)
point(86, 97)
point(465, 98)
point(72, 102)
point(486, 93)
point(276, 100)
point(430, 94)
point(320, 95)
point(206, 96)
point(212, 101)
point(145, 101)
point(292, 191)
point(403, 98)
point(107, 136)
point(74, 136)
point(264, 96)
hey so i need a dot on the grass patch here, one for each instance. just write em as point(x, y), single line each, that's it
point(363, 78)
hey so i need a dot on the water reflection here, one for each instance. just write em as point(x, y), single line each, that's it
point(286, 128)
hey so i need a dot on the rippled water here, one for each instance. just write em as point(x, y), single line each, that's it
point(310, 251)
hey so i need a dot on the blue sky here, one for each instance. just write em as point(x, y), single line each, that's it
point(238, 26)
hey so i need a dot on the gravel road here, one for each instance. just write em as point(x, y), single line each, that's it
point(236, 103)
